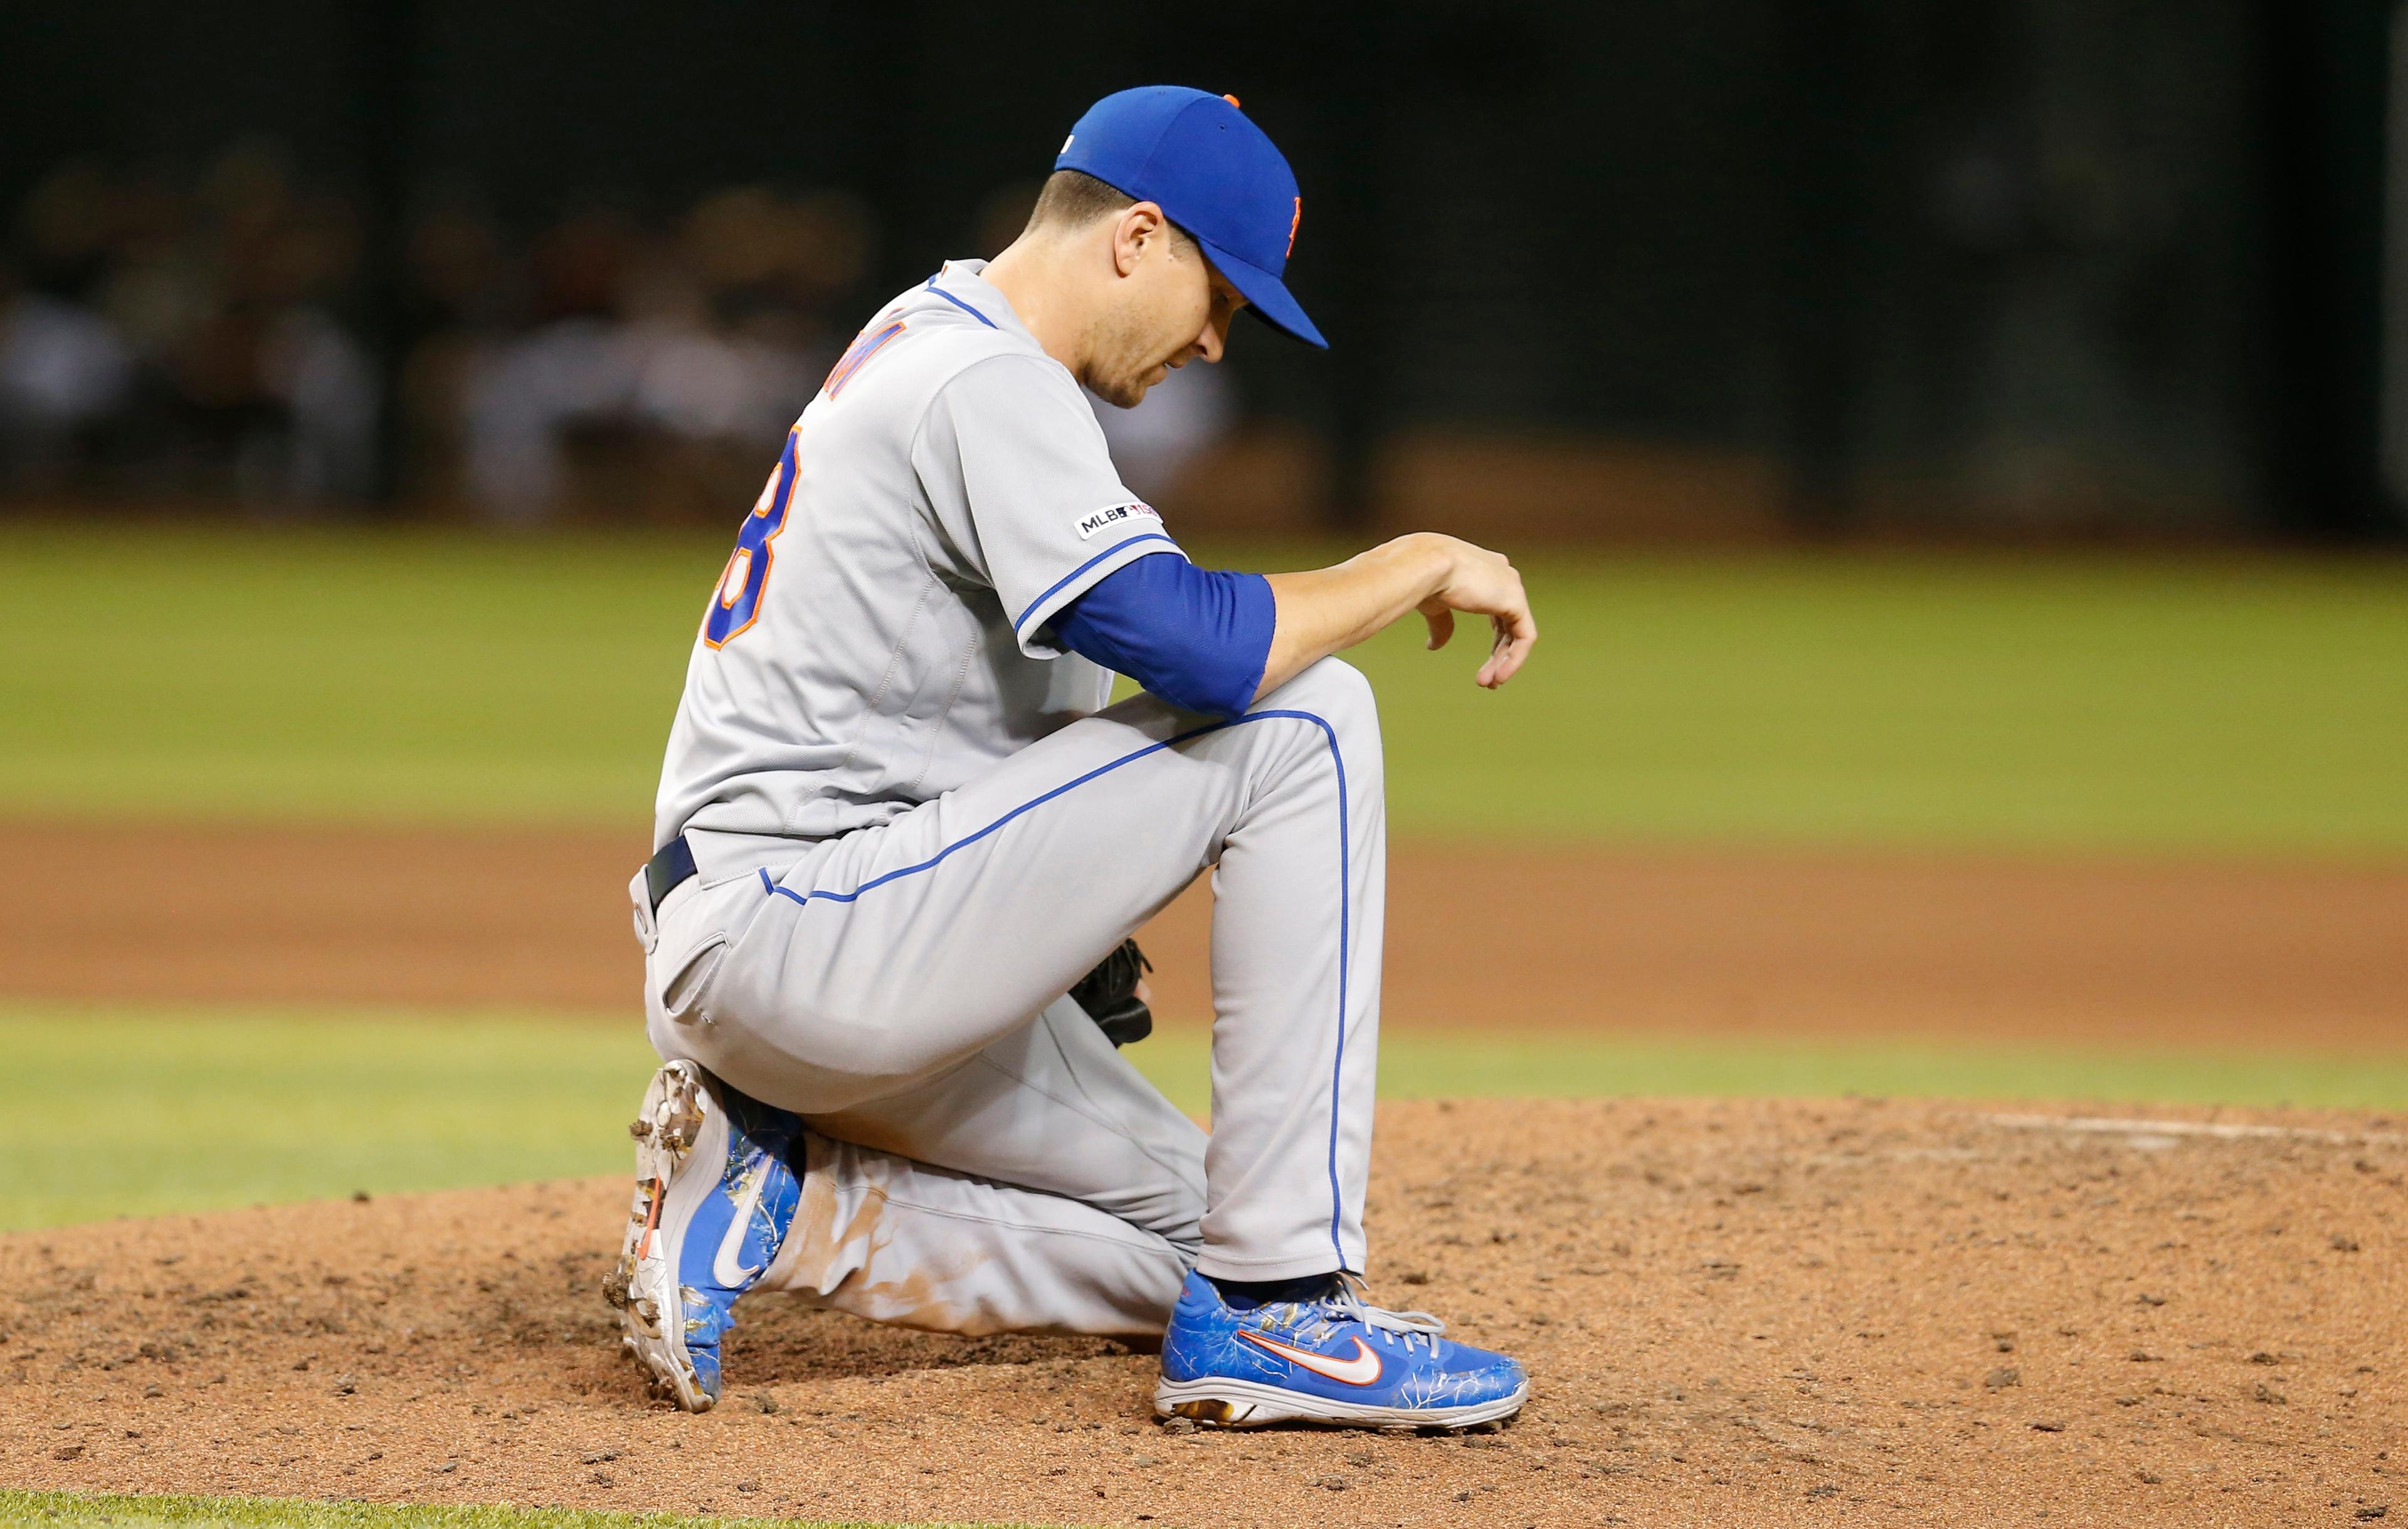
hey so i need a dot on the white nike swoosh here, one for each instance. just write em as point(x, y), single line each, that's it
point(1361, 1370)
point(724, 1266)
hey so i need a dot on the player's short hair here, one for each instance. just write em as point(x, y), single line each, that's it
point(1073, 199)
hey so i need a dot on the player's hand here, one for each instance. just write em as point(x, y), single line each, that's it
point(1484, 583)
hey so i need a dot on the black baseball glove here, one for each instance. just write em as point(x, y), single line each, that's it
point(1108, 994)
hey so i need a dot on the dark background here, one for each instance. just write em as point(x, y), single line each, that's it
point(2006, 266)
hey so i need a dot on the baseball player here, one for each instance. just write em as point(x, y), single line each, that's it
point(897, 821)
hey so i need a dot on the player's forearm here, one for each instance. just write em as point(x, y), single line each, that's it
point(1329, 611)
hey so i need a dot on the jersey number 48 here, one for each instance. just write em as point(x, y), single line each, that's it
point(737, 603)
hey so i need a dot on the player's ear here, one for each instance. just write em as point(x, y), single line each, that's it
point(1139, 225)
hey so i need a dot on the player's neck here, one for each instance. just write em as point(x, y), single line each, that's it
point(1040, 279)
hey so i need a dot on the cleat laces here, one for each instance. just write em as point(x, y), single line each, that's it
point(1348, 1301)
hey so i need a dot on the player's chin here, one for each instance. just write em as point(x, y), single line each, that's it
point(1124, 393)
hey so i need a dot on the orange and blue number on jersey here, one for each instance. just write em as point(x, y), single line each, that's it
point(737, 601)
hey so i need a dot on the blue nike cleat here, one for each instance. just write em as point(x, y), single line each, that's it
point(1330, 1357)
point(716, 1187)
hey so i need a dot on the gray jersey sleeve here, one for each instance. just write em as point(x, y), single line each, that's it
point(1016, 469)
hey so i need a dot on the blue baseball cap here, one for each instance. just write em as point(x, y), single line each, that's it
point(1213, 173)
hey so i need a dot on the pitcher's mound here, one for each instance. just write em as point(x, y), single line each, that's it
point(1851, 1312)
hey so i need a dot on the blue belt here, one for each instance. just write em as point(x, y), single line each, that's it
point(670, 869)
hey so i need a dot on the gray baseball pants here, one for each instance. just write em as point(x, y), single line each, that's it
point(981, 1159)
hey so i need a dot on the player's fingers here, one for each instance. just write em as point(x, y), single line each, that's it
point(1516, 634)
point(1487, 674)
point(1441, 626)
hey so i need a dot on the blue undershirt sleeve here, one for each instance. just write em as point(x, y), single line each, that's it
point(1196, 637)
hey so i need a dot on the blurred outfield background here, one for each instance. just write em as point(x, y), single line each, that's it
point(1943, 430)
point(2197, 704)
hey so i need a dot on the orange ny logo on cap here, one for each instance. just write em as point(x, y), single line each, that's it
point(1292, 223)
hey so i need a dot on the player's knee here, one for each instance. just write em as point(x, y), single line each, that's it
point(1336, 692)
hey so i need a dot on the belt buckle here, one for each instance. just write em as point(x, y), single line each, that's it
point(648, 929)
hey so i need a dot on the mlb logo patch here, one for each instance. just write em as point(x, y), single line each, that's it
point(1104, 520)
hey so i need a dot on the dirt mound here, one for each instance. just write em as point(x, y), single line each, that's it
point(1796, 945)
point(1847, 1313)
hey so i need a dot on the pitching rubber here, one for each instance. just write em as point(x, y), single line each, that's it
point(680, 1122)
point(1246, 1404)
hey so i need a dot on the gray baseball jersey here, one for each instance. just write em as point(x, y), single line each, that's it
point(947, 491)
point(916, 830)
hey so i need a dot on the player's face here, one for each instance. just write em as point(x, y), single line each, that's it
point(1177, 309)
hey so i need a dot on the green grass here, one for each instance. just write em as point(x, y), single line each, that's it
point(2051, 703)
point(2054, 703)
point(75, 1510)
point(119, 1114)
point(142, 1114)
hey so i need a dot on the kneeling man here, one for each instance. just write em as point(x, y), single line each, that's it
point(898, 823)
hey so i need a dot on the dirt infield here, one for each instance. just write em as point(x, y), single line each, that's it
point(1795, 945)
point(1740, 1313)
